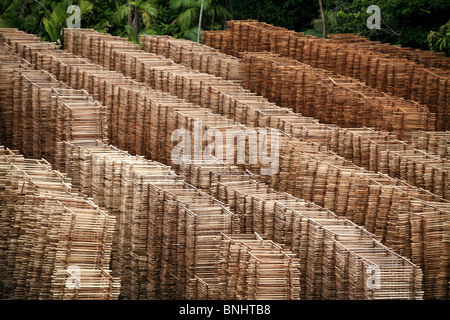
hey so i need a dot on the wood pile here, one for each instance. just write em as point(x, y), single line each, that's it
point(251, 268)
point(433, 142)
point(428, 226)
point(381, 152)
point(55, 244)
point(166, 228)
point(195, 56)
point(385, 120)
point(224, 97)
point(174, 263)
point(303, 228)
point(79, 117)
point(287, 182)
point(33, 125)
point(9, 63)
point(47, 112)
point(354, 265)
point(392, 75)
point(331, 98)
point(382, 205)
point(430, 59)
point(73, 41)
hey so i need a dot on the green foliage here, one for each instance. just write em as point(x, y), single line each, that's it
point(135, 16)
point(291, 14)
point(10, 17)
point(440, 40)
point(55, 21)
point(403, 22)
point(46, 18)
point(215, 14)
point(352, 17)
point(331, 18)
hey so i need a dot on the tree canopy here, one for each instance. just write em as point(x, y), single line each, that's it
point(415, 23)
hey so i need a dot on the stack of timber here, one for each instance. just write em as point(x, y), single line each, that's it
point(251, 268)
point(309, 152)
point(55, 244)
point(33, 125)
point(47, 112)
point(381, 152)
point(9, 63)
point(160, 270)
point(252, 117)
point(381, 204)
point(79, 117)
point(221, 96)
point(392, 75)
point(333, 253)
point(430, 59)
point(433, 142)
point(428, 226)
point(367, 177)
point(195, 56)
point(332, 98)
point(166, 227)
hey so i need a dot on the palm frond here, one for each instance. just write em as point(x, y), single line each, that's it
point(147, 19)
point(86, 7)
point(150, 7)
point(122, 12)
point(102, 26)
point(176, 4)
point(186, 18)
point(191, 34)
point(218, 11)
point(10, 17)
point(54, 21)
point(5, 5)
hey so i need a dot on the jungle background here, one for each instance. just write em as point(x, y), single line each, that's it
point(420, 24)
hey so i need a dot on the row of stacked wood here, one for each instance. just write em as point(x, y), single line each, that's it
point(430, 59)
point(433, 142)
point(164, 223)
point(77, 180)
point(9, 63)
point(332, 98)
point(402, 117)
point(51, 237)
point(439, 169)
point(293, 187)
point(389, 73)
point(76, 122)
point(382, 152)
point(193, 55)
point(306, 229)
point(81, 73)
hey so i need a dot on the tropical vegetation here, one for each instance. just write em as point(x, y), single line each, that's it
point(416, 23)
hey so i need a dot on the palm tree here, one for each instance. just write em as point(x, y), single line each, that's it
point(219, 10)
point(191, 10)
point(139, 13)
point(331, 21)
